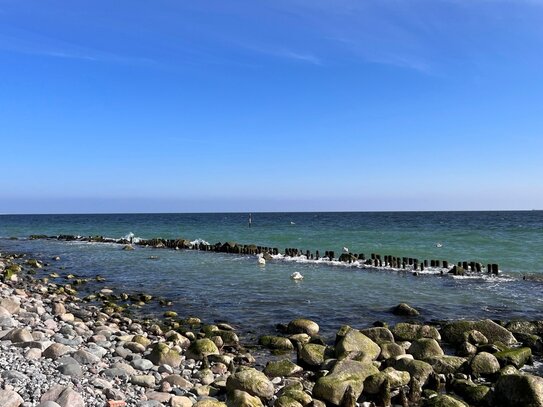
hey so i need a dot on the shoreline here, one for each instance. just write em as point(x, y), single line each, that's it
point(107, 345)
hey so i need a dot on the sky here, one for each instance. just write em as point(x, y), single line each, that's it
point(244, 105)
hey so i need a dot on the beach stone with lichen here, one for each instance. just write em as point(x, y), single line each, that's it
point(251, 381)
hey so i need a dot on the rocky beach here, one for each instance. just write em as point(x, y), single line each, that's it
point(62, 348)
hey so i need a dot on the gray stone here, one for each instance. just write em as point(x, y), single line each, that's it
point(425, 348)
point(251, 381)
point(71, 369)
point(85, 358)
point(354, 344)
point(19, 335)
point(48, 404)
point(142, 364)
point(453, 332)
point(483, 364)
point(56, 350)
point(70, 398)
point(144, 380)
point(345, 373)
point(519, 390)
point(303, 326)
point(9, 398)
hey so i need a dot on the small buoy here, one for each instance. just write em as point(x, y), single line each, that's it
point(345, 250)
point(297, 276)
point(261, 261)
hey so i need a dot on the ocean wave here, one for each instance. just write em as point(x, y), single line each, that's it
point(131, 237)
point(199, 242)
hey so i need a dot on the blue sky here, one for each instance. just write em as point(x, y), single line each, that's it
point(138, 106)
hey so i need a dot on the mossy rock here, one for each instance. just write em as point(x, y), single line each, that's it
point(201, 348)
point(517, 357)
point(475, 337)
point(471, 392)
point(354, 344)
point(532, 341)
point(445, 401)
point(163, 355)
point(238, 398)
point(405, 310)
point(390, 350)
point(230, 338)
point(447, 364)
point(524, 327)
point(296, 393)
point(453, 332)
point(34, 263)
point(404, 331)
point(282, 368)
point(425, 348)
point(170, 314)
point(417, 368)
point(378, 335)
point(209, 402)
point(303, 326)
point(519, 390)
point(312, 355)
point(251, 381)
point(142, 340)
point(345, 373)
point(396, 378)
point(484, 364)
point(285, 401)
point(210, 330)
point(276, 342)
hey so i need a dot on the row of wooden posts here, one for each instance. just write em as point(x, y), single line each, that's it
point(373, 260)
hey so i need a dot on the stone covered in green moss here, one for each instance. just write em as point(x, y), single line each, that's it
point(345, 373)
point(201, 348)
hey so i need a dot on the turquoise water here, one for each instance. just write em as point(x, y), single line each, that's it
point(234, 288)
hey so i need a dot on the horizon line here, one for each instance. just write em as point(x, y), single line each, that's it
point(245, 212)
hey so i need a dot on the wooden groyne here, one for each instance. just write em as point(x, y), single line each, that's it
point(373, 260)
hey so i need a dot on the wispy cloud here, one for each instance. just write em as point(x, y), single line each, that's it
point(27, 42)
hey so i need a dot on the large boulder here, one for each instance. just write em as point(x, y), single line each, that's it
point(163, 355)
point(9, 398)
point(447, 364)
point(405, 310)
point(517, 357)
point(282, 368)
point(276, 342)
point(390, 350)
point(355, 345)
point(453, 332)
point(475, 394)
point(379, 334)
point(344, 374)
point(519, 390)
point(425, 348)
point(201, 348)
point(303, 326)
point(312, 355)
point(396, 378)
point(410, 332)
point(238, 398)
point(484, 364)
point(251, 381)
point(418, 369)
point(445, 401)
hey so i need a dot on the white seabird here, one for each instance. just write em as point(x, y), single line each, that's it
point(345, 250)
point(296, 276)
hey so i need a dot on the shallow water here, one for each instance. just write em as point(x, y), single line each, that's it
point(234, 288)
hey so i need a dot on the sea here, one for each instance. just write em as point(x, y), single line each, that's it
point(255, 298)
